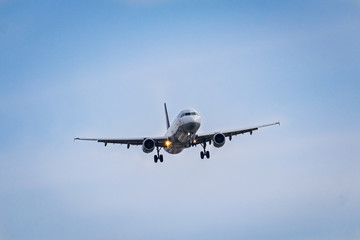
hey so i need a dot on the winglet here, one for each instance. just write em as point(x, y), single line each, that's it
point(166, 117)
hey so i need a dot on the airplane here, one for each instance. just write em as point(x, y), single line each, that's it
point(181, 134)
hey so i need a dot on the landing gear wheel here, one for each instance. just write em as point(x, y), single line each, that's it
point(204, 153)
point(157, 156)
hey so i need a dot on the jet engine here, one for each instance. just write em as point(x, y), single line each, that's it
point(218, 140)
point(148, 145)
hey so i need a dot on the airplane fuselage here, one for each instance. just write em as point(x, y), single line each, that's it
point(183, 130)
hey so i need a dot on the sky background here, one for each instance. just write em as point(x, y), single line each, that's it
point(104, 69)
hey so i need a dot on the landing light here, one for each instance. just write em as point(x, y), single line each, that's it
point(194, 141)
point(167, 143)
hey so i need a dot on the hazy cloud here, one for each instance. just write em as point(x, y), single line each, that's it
point(237, 68)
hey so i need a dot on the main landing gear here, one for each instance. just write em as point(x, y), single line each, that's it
point(158, 156)
point(204, 153)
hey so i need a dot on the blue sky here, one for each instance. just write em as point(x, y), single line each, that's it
point(104, 68)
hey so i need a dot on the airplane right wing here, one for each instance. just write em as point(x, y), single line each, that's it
point(159, 141)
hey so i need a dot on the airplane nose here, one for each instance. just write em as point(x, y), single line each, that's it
point(191, 127)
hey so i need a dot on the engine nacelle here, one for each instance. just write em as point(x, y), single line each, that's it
point(218, 140)
point(148, 145)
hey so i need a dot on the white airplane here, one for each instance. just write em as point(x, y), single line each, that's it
point(180, 135)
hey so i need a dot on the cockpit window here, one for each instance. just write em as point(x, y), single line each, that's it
point(188, 114)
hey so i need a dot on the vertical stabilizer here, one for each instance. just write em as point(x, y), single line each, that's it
point(166, 117)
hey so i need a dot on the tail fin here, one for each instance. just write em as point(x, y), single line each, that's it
point(166, 117)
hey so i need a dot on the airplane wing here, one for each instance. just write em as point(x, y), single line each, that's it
point(203, 138)
point(159, 141)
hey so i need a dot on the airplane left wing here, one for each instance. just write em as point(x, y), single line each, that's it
point(159, 141)
point(203, 138)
